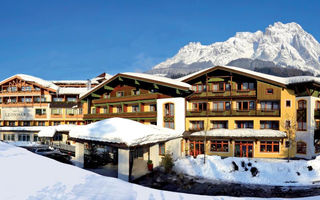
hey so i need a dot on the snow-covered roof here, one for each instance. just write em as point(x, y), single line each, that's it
point(34, 79)
point(70, 81)
point(149, 77)
point(123, 131)
point(22, 128)
point(72, 90)
point(49, 131)
point(243, 133)
point(281, 80)
point(158, 78)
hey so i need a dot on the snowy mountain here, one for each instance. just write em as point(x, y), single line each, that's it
point(286, 45)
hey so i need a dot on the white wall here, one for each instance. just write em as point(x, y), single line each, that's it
point(79, 155)
point(179, 112)
point(308, 136)
point(154, 155)
point(174, 147)
point(123, 164)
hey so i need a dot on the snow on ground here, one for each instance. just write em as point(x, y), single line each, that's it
point(26, 175)
point(271, 171)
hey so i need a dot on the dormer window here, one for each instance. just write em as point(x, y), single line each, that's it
point(120, 94)
point(136, 92)
point(269, 91)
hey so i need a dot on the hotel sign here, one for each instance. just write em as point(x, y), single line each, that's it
point(17, 114)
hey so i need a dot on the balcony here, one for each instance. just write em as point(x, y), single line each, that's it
point(20, 93)
point(225, 94)
point(130, 98)
point(123, 115)
point(233, 113)
point(65, 104)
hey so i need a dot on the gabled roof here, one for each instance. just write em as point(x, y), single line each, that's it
point(36, 80)
point(257, 75)
point(142, 77)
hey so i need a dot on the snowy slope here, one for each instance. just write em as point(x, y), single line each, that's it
point(283, 44)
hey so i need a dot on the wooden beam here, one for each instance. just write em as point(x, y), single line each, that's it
point(155, 86)
point(136, 82)
point(106, 87)
point(120, 79)
point(95, 95)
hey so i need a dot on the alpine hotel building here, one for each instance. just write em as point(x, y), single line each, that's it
point(222, 110)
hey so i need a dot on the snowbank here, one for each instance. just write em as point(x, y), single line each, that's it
point(119, 130)
point(270, 171)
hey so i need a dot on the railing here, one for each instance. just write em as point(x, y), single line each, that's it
point(225, 93)
point(152, 114)
point(129, 98)
point(233, 113)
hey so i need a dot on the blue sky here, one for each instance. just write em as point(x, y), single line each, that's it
point(78, 39)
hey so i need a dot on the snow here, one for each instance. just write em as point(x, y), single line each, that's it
point(30, 176)
point(72, 90)
point(281, 80)
point(241, 133)
point(271, 171)
point(119, 130)
point(158, 78)
point(284, 44)
point(49, 131)
point(37, 80)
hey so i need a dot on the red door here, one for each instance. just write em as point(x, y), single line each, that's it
point(244, 149)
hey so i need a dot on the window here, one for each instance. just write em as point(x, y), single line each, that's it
point(12, 123)
point(70, 111)
point(26, 99)
point(71, 99)
point(136, 92)
point(302, 104)
point(269, 125)
point(302, 126)
point(162, 149)
point(245, 105)
point(23, 137)
point(56, 111)
point(25, 88)
point(244, 124)
point(57, 99)
point(41, 111)
point(106, 96)
point(38, 99)
point(269, 91)
point(12, 89)
point(169, 109)
point(219, 146)
point(199, 106)
point(287, 124)
point(301, 147)
point(199, 88)
point(288, 103)
point(119, 109)
point(26, 124)
point(41, 123)
point(220, 105)
point(269, 146)
point(57, 137)
point(56, 123)
point(35, 138)
point(153, 107)
point(37, 88)
point(9, 137)
point(245, 86)
point(135, 108)
point(169, 124)
point(196, 125)
point(269, 105)
point(219, 124)
point(120, 94)
point(220, 87)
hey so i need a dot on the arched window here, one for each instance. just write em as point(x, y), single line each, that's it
point(302, 104)
point(168, 117)
point(301, 147)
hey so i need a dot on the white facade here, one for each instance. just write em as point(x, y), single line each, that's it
point(308, 135)
point(179, 112)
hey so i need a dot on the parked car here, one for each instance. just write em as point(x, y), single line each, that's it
point(53, 153)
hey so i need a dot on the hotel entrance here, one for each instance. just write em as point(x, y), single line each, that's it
point(196, 147)
point(243, 149)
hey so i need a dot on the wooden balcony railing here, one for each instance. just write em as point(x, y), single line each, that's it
point(152, 114)
point(224, 94)
point(130, 98)
point(233, 113)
